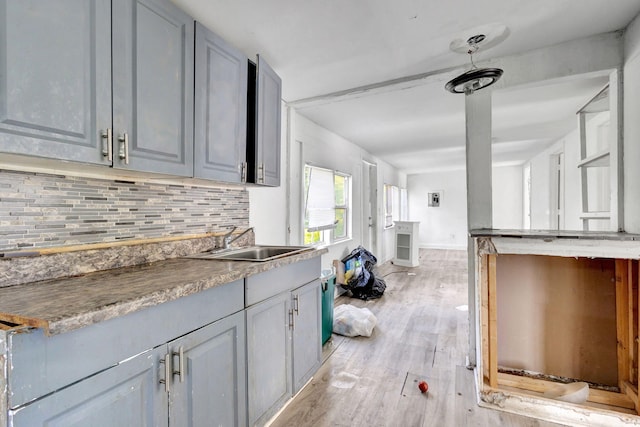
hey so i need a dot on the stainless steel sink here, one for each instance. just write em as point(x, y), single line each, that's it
point(254, 253)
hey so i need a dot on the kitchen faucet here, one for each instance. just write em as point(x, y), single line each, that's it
point(227, 240)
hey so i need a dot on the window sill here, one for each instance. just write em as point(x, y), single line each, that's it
point(328, 245)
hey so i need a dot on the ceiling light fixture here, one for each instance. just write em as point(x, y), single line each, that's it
point(476, 78)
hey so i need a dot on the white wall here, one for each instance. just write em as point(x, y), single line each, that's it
point(632, 127)
point(541, 184)
point(270, 225)
point(507, 197)
point(313, 144)
point(443, 227)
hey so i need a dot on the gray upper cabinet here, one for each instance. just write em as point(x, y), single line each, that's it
point(220, 109)
point(98, 82)
point(55, 78)
point(264, 128)
point(152, 87)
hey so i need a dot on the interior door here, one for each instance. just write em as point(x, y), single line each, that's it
point(369, 206)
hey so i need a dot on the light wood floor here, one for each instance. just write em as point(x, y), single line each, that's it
point(421, 334)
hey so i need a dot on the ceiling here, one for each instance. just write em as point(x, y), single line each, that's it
point(326, 48)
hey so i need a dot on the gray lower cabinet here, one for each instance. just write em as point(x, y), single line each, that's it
point(268, 357)
point(284, 336)
point(125, 395)
point(180, 363)
point(208, 385)
point(220, 131)
point(72, 88)
point(205, 386)
point(307, 333)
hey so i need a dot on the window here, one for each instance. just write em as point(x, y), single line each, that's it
point(327, 206)
point(395, 204)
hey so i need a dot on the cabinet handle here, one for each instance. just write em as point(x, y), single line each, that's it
point(167, 371)
point(292, 324)
point(243, 172)
point(296, 303)
point(261, 173)
point(107, 149)
point(180, 371)
point(124, 147)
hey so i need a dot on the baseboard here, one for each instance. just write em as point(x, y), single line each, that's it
point(443, 246)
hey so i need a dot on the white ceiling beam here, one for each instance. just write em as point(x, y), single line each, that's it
point(595, 55)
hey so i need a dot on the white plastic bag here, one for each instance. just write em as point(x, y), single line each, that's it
point(352, 321)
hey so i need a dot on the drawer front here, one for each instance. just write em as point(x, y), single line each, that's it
point(265, 285)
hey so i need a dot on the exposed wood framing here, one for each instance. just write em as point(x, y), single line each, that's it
point(484, 316)
point(622, 321)
point(493, 321)
point(540, 386)
point(632, 269)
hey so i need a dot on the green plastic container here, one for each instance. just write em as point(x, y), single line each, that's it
point(328, 285)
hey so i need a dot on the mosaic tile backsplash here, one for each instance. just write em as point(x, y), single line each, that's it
point(42, 210)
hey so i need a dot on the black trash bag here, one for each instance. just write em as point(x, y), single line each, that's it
point(362, 282)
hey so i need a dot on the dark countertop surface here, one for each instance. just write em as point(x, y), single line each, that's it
point(62, 305)
point(559, 234)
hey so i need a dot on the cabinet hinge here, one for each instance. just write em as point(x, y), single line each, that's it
point(243, 172)
point(291, 320)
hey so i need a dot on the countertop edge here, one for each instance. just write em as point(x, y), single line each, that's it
point(242, 270)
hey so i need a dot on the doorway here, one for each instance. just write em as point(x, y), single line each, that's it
point(556, 220)
point(370, 206)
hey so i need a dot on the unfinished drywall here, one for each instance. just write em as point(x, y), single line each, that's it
point(507, 197)
point(445, 226)
point(632, 126)
point(556, 316)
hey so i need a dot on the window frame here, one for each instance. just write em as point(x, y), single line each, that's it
point(395, 209)
point(328, 237)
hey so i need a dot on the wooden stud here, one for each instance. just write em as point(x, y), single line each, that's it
point(632, 392)
point(484, 316)
point(632, 317)
point(493, 322)
point(622, 320)
point(635, 278)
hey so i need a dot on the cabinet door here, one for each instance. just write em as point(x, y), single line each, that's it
point(220, 109)
point(152, 87)
point(307, 333)
point(55, 78)
point(127, 394)
point(213, 389)
point(268, 357)
point(268, 105)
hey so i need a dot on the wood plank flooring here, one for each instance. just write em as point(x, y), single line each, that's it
point(421, 334)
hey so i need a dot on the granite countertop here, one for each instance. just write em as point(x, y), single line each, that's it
point(62, 305)
point(559, 234)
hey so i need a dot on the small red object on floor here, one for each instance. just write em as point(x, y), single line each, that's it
point(423, 386)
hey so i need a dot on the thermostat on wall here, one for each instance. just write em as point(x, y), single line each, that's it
point(434, 199)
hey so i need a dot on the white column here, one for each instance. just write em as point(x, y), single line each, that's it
point(479, 215)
